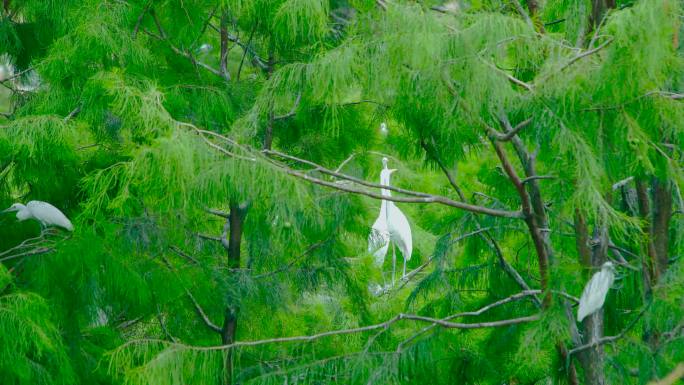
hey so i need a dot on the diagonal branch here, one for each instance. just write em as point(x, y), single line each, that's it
point(605, 340)
point(415, 196)
point(202, 314)
point(486, 236)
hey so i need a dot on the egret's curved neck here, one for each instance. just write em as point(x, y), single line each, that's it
point(23, 213)
point(385, 180)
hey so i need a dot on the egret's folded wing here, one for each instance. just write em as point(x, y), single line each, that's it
point(594, 294)
point(400, 231)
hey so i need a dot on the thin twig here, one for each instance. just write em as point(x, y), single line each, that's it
point(202, 314)
point(605, 340)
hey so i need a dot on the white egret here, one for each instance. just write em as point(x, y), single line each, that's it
point(594, 294)
point(378, 240)
point(43, 212)
point(391, 226)
point(383, 129)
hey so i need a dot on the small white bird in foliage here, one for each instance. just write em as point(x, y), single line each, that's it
point(383, 129)
point(594, 294)
point(391, 226)
point(43, 212)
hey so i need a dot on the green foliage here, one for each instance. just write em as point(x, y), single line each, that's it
point(151, 121)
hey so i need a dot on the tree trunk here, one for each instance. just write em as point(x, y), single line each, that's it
point(645, 211)
point(236, 219)
point(223, 60)
point(662, 212)
point(227, 338)
point(598, 10)
point(592, 360)
point(533, 6)
point(238, 212)
point(593, 325)
point(268, 134)
point(582, 242)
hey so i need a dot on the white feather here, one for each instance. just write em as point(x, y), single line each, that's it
point(399, 230)
point(594, 294)
point(378, 240)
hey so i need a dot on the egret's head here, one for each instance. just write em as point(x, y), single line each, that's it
point(384, 162)
point(14, 207)
point(608, 266)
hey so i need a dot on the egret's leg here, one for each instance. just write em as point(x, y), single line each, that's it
point(404, 273)
point(394, 263)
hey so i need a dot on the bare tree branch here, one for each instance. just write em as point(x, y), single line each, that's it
point(293, 110)
point(200, 312)
point(417, 197)
point(400, 317)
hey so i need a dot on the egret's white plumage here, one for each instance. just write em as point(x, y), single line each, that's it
point(378, 240)
point(594, 294)
point(390, 226)
point(400, 232)
point(43, 212)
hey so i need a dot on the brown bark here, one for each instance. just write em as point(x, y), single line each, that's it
point(594, 360)
point(238, 212)
point(227, 338)
point(530, 218)
point(645, 211)
point(223, 60)
point(268, 135)
point(533, 6)
point(582, 242)
point(236, 219)
point(598, 10)
point(662, 212)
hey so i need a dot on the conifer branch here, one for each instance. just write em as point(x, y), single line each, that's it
point(306, 252)
point(293, 110)
point(575, 59)
point(486, 236)
point(519, 8)
point(219, 213)
point(31, 246)
point(405, 280)
point(415, 196)
point(442, 322)
point(605, 340)
point(528, 213)
point(138, 22)
point(185, 255)
point(200, 312)
point(511, 132)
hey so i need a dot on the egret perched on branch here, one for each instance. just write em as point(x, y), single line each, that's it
point(43, 212)
point(594, 294)
point(391, 226)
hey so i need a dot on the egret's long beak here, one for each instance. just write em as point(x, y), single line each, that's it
point(9, 210)
point(391, 170)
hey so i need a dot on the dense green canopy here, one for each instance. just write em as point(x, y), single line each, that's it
point(219, 160)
